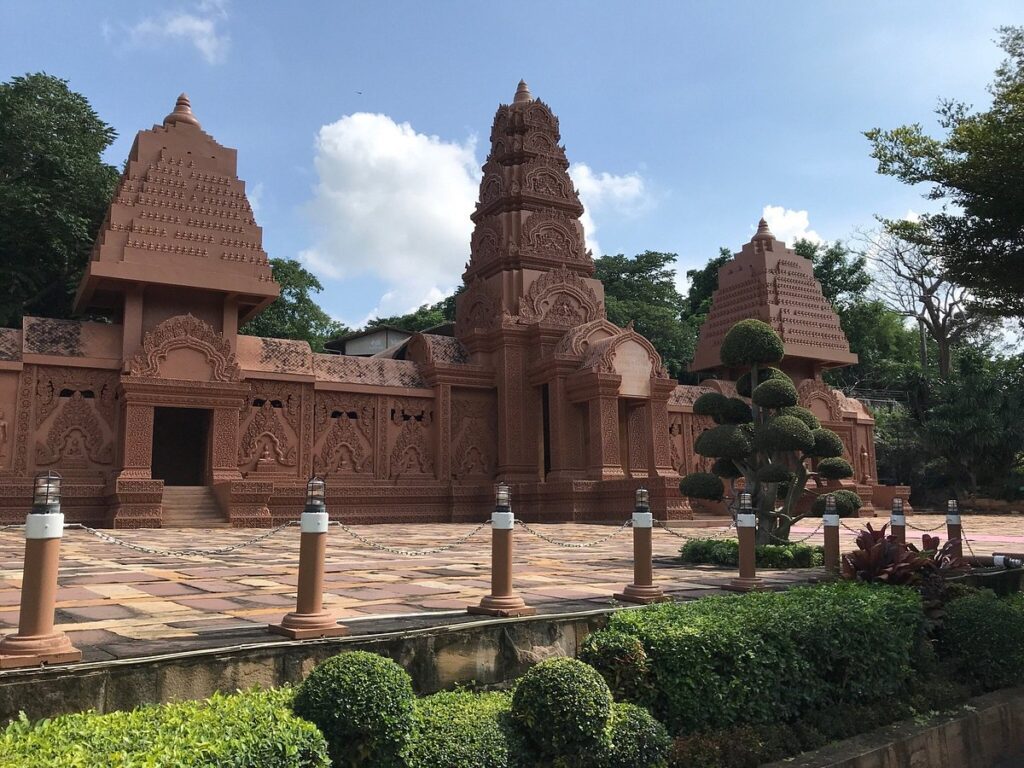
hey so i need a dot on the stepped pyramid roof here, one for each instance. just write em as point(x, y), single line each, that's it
point(180, 218)
point(768, 281)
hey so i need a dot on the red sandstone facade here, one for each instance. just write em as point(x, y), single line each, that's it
point(169, 406)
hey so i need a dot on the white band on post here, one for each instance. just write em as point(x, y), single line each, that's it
point(643, 520)
point(999, 561)
point(831, 520)
point(314, 522)
point(746, 521)
point(46, 526)
point(503, 521)
point(898, 520)
point(953, 518)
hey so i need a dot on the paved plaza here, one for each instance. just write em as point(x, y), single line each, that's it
point(115, 602)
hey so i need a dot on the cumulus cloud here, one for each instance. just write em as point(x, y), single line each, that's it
point(394, 204)
point(606, 194)
point(201, 26)
point(789, 225)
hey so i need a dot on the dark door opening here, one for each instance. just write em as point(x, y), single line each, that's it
point(180, 445)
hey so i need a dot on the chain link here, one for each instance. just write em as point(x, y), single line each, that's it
point(11, 527)
point(854, 531)
point(716, 535)
point(573, 545)
point(179, 552)
point(796, 541)
point(926, 530)
point(409, 552)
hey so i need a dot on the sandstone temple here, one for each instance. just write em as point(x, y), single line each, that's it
point(167, 415)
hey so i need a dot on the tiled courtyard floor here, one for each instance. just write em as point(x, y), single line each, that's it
point(118, 603)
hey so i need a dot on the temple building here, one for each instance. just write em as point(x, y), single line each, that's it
point(168, 416)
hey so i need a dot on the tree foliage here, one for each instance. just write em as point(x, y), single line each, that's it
point(54, 192)
point(842, 273)
point(978, 167)
point(427, 316)
point(295, 314)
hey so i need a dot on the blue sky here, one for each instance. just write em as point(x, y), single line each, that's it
point(361, 126)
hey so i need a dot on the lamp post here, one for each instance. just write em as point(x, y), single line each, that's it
point(746, 522)
point(831, 522)
point(309, 619)
point(954, 528)
point(502, 601)
point(898, 521)
point(37, 642)
point(642, 590)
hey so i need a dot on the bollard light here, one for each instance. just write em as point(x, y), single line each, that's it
point(642, 590)
point(309, 619)
point(898, 521)
point(954, 528)
point(643, 498)
point(502, 601)
point(897, 506)
point(502, 496)
point(746, 523)
point(46, 493)
point(316, 494)
point(952, 507)
point(831, 534)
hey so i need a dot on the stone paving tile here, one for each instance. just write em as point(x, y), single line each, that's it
point(117, 603)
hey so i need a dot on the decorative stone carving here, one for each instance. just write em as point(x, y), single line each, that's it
point(560, 297)
point(76, 435)
point(479, 308)
point(192, 333)
point(56, 383)
point(813, 391)
point(553, 234)
point(265, 438)
point(473, 436)
point(412, 453)
point(346, 423)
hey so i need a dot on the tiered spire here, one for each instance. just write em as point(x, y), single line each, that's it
point(770, 282)
point(528, 213)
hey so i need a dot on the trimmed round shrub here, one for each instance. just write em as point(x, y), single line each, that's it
point(763, 375)
point(847, 503)
point(774, 473)
point(835, 468)
point(725, 468)
point(638, 740)
point(735, 411)
point(775, 393)
point(363, 705)
point(620, 659)
point(785, 433)
point(981, 636)
point(460, 729)
point(560, 710)
point(702, 485)
point(709, 404)
point(826, 443)
point(751, 342)
point(726, 440)
point(804, 414)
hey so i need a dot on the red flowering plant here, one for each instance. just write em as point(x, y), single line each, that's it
point(882, 558)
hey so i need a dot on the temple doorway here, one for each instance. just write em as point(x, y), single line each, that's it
point(181, 445)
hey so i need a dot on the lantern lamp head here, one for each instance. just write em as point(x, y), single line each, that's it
point(46, 493)
point(952, 506)
point(830, 504)
point(316, 494)
point(745, 502)
point(897, 506)
point(643, 498)
point(502, 496)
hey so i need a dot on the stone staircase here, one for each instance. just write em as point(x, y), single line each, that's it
point(191, 506)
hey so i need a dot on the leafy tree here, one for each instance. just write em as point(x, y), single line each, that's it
point(54, 192)
point(427, 316)
point(887, 350)
point(768, 441)
point(843, 274)
point(295, 315)
point(703, 284)
point(643, 290)
point(978, 167)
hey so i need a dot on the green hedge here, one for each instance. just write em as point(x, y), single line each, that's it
point(254, 729)
point(637, 739)
point(460, 729)
point(981, 637)
point(726, 552)
point(765, 657)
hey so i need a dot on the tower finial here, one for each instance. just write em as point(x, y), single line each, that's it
point(763, 233)
point(523, 94)
point(182, 113)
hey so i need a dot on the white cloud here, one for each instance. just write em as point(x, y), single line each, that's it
point(606, 193)
point(912, 216)
point(394, 204)
point(789, 225)
point(255, 196)
point(201, 26)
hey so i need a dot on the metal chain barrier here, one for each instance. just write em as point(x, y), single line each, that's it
point(179, 552)
point(716, 535)
point(12, 527)
point(574, 545)
point(854, 531)
point(797, 541)
point(409, 552)
point(927, 530)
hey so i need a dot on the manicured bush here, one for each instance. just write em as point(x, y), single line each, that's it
point(709, 404)
point(981, 637)
point(848, 503)
point(804, 415)
point(774, 473)
point(254, 729)
point(763, 374)
point(702, 485)
point(726, 440)
point(560, 710)
point(460, 729)
point(620, 659)
point(775, 393)
point(735, 411)
point(826, 443)
point(725, 468)
point(637, 739)
point(751, 342)
point(765, 657)
point(726, 552)
point(363, 704)
point(784, 433)
point(835, 468)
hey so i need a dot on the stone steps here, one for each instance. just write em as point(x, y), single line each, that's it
point(191, 506)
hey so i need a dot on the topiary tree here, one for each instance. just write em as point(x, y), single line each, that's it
point(769, 441)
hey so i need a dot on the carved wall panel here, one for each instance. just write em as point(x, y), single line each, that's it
point(189, 333)
point(75, 418)
point(345, 428)
point(270, 428)
point(411, 437)
point(560, 297)
point(474, 432)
